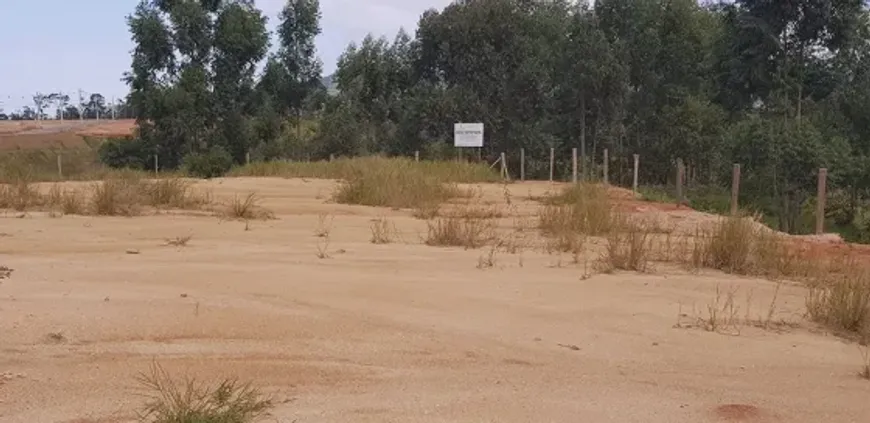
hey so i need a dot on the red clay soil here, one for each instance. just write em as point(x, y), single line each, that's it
point(59, 134)
point(827, 245)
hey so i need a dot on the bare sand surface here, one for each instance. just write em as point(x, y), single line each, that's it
point(401, 332)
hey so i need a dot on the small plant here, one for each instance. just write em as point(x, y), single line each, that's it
point(459, 232)
point(722, 314)
point(19, 196)
point(168, 401)
point(72, 202)
point(843, 301)
point(115, 197)
point(628, 248)
point(582, 208)
point(56, 337)
point(179, 241)
point(211, 164)
point(487, 261)
point(324, 225)
point(382, 231)
point(246, 208)
point(731, 245)
point(173, 193)
point(5, 272)
point(864, 348)
point(323, 248)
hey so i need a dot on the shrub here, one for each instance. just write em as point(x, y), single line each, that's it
point(211, 164)
point(842, 302)
point(458, 231)
point(581, 209)
point(628, 248)
point(399, 186)
point(190, 402)
point(115, 197)
point(122, 153)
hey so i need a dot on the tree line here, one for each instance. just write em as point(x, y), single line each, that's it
point(93, 106)
point(780, 87)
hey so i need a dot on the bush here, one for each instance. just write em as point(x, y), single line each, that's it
point(580, 209)
point(122, 153)
point(214, 163)
point(187, 401)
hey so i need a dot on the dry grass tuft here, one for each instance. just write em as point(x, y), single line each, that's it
point(169, 401)
point(865, 361)
point(5, 272)
point(459, 231)
point(179, 241)
point(842, 301)
point(19, 196)
point(116, 197)
point(382, 231)
point(582, 208)
point(395, 188)
point(173, 193)
point(121, 194)
point(627, 248)
point(246, 208)
point(324, 225)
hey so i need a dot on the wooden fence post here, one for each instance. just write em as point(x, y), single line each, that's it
point(574, 164)
point(156, 166)
point(735, 188)
point(417, 156)
point(331, 156)
point(59, 166)
point(680, 178)
point(504, 171)
point(820, 201)
point(248, 157)
point(523, 164)
point(634, 177)
point(552, 162)
point(606, 173)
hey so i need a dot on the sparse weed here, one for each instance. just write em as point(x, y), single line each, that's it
point(487, 260)
point(323, 248)
point(382, 231)
point(722, 314)
point(459, 232)
point(628, 248)
point(246, 208)
point(19, 196)
point(179, 241)
point(324, 225)
point(842, 301)
point(115, 197)
point(865, 360)
point(582, 208)
point(168, 401)
point(5, 272)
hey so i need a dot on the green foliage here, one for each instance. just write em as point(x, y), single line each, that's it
point(211, 164)
point(780, 87)
point(121, 153)
point(188, 401)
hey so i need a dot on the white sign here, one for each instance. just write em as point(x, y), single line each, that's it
point(468, 135)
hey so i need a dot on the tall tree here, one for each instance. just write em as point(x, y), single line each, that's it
point(299, 25)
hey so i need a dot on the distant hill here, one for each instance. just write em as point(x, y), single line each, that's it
point(328, 81)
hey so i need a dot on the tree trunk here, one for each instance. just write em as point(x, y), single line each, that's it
point(583, 133)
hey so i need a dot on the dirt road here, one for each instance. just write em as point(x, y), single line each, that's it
point(388, 333)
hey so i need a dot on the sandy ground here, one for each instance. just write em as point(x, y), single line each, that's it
point(59, 134)
point(388, 333)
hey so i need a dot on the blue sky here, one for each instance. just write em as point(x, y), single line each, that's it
point(62, 45)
